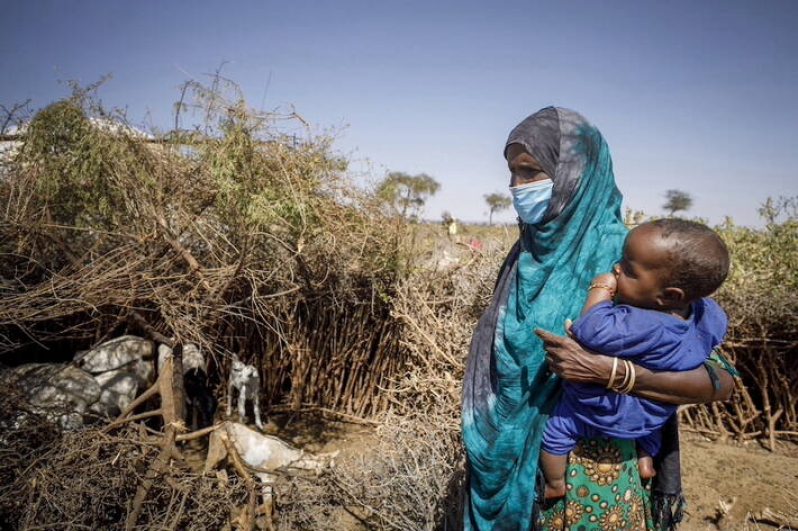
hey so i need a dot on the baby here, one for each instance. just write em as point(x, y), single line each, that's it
point(652, 310)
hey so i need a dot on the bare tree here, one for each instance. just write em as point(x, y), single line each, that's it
point(496, 203)
point(14, 117)
point(677, 200)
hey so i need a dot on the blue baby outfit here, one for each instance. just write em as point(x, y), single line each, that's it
point(654, 340)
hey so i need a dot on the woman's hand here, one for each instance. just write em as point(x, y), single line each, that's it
point(568, 360)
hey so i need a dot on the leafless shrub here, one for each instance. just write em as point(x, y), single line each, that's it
point(24, 437)
point(411, 479)
point(87, 479)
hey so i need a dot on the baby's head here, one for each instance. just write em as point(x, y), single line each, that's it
point(669, 263)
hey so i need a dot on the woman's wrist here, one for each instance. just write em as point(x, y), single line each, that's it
point(682, 387)
point(603, 369)
point(623, 376)
point(573, 363)
point(608, 290)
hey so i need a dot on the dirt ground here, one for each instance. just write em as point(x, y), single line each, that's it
point(727, 485)
point(745, 479)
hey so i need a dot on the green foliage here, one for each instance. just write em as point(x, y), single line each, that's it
point(677, 200)
point(79, 170)
point(759, 297)
point(764, 275)
point(496, 203)
point(407, 193)
point(265, 184)
point(59, 142)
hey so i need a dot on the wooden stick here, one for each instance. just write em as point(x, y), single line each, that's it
point(776, 518)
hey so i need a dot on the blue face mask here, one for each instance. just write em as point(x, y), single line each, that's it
point(532, 200)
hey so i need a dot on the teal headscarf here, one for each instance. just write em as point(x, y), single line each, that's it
point(508, 391)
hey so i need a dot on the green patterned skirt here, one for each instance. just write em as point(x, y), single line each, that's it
point(604, 491)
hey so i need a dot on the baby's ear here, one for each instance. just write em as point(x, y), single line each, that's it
point(672, 297)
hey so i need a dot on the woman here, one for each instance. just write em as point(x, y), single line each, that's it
point(571, 230)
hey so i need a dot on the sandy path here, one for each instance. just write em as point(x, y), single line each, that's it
point(746, 477)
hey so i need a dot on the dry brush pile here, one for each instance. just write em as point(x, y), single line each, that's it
point(231, 235)
point(759, 298)
point(413, 478)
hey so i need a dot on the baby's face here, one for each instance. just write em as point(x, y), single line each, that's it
point(643, 270)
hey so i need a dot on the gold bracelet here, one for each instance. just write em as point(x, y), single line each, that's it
point(602, 286)
point(628, 380)
point(625, 380)
point(613, 373)
point(628, 388)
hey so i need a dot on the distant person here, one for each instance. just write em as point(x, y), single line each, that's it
point(571, 230)
point(652, 310)
point(452, 228)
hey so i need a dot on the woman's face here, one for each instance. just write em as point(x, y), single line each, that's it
point(524, 168)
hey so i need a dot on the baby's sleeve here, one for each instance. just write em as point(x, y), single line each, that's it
point(618, 330)
point(716, 321)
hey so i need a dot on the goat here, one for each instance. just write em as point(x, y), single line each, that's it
point(199, 396)
point(263, 455)
point(246, 379)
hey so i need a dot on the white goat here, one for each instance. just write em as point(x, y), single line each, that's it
point(192, 357)
point(264, 456)
point(246, 379)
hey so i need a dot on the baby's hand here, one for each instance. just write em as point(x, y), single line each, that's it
point(606, 280)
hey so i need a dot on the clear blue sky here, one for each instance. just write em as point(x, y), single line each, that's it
point(699, 96)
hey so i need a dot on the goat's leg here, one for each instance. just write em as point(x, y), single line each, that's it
point(256, 405)
point(242, 404)
point(229, 398)
point(217, 450)
point(267, 508)
point(248, 516)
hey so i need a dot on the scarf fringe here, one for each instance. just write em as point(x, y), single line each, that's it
point(667, 510)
